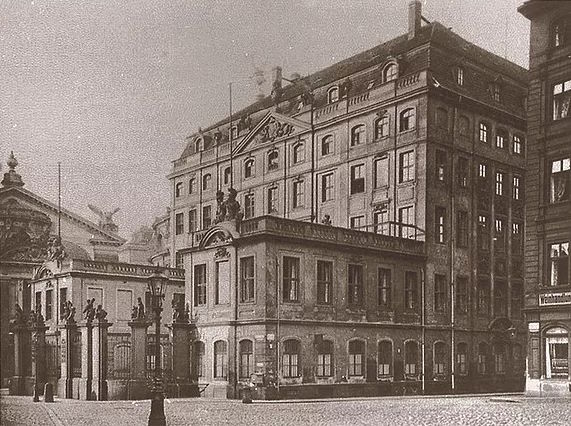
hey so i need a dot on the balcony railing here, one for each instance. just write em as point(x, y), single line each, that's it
point(388, 236)
point(117, 268)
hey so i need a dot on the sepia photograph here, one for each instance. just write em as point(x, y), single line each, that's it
point(245, 212)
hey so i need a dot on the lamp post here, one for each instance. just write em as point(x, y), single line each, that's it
point(156, 285)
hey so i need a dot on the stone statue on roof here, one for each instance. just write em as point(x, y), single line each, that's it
point(105, 218)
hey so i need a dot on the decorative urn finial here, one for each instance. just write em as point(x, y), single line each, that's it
point(11, 178)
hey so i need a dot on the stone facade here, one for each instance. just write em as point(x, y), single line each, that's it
point(421, 137)
point(548, 195)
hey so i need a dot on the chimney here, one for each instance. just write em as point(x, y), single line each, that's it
point(414, 18)
point(276, 84)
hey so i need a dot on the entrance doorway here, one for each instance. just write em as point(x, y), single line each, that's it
point(556, 353)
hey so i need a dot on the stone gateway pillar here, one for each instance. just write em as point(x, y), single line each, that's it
point(138, 382)
point(99, 336)
point(86, 361)
point(21, 334)
point(38, 332)
point(65, 382)
point(182, 336)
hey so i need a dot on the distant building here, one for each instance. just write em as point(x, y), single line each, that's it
point(548, 195)
point(421, 138)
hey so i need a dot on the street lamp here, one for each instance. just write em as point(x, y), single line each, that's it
point(156, 285)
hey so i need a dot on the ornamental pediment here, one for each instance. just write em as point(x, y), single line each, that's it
point(272, 128)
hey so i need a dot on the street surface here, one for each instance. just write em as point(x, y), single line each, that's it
point(473, 410)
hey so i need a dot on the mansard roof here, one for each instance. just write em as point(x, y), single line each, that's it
point(367, 65)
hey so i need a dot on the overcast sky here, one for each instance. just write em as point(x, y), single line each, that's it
point(111, 88)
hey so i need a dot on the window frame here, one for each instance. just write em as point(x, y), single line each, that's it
point(407, 120)
point(357, 352)
point(357, 176)
point(355, 284)
point(324, 283)
point(384, 287)
point(247, 281)
point(358, 135)
point(292, 281)
point(249, 168)
point(200, 287)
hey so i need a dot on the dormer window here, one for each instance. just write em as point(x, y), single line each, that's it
point(390, 73)
point(333, 95)
point(234, 132)
point(197, 145)
point(249, 168)
point(273, 158)
point(178, 190)
point(460, 76)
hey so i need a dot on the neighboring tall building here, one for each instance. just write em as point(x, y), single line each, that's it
point(548, 199)
point(422, 138)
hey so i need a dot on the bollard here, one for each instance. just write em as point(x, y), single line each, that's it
point(48, 393)
point(36, 396)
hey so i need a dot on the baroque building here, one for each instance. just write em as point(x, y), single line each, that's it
point(548, 195)
point(42, 272)
point(381, 225)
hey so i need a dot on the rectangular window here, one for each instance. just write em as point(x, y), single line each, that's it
point(192, 222)
point(406, 166)
point(482, 170)
point(355, 285)
point(516, 238)
point(516, 181)
point(440, 293)
point(247, 279)
point(440, 225)
point(461, 295)
point(324, 281)
point(441, 161)
point(517, 145)
point(49, 304)
point(499, 183)
point(192, 185)
point(500, 236)
point(298, 194)
point(560, 180)
point(463, 172)
point(357, 179)
point(290, 359)
point(483, 297)
point(410, 289)
point(357, 222)
point(179, 260)
point(407, 221)
point(38, 301)
point(381, 219)
point(483, 133)
point(179, 223)
point(222, 290)
point(206, 217)
point(559, 263)
point(324, 364)
point(483, 233)
point(62, 301)
point(290, 279)
point(385, 358)
point(500, 299)
point(384, 290)
point(199, 285)
point(500, 140)
point(272, 200)
point(327, 145)
point(382, 172)
point(561, 100)
point(516, 300)
point(249, 206)
point(462, 230)
point(327, 187)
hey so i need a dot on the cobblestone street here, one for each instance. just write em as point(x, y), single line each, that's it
point(480, 410)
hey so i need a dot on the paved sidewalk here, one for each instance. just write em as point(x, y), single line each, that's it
point(440, 410)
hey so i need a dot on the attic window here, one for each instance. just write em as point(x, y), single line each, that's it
point(234, 132)
point(333, 95)
point(197, 145)
point(390, 73)
point(273, 158)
